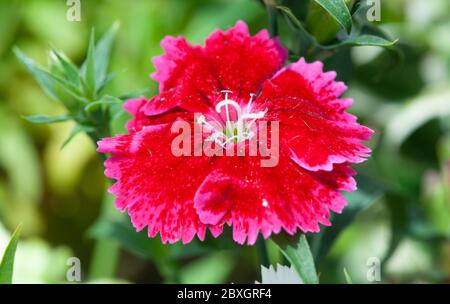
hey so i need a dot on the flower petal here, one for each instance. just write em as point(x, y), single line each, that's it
point(242, 62)
point(185, 78)
point(252, 198)
point(313, 123)
point(153, 185)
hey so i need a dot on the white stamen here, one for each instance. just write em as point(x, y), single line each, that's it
point(265, 203)
point(250, 101)
point(236, 130)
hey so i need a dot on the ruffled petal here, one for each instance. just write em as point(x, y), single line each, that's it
point(153, 185)
point(254, 199)
point(185, 78)
point(313, 123)
point(242, 62)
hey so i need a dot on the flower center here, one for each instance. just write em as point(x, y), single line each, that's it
point(235, 128)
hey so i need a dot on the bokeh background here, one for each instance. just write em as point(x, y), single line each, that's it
point(57, 193)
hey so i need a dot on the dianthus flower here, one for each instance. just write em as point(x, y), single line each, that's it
point(226, 89)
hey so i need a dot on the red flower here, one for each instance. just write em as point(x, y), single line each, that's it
point(181, 196)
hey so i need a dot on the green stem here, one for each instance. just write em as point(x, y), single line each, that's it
point(272, 19)
point(106, 252)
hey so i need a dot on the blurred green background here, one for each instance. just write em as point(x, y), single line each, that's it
point(57, 193)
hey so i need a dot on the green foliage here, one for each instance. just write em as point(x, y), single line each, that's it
point(44, 119)
point(348, 278)
point(297, 252)
point(7, 262)
point(399, 86)
point(78, 89)
point(311, 43)
point(339, 11)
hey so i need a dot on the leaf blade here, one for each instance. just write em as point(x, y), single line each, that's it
point(339, 11)
point(70, 70)
point(105, 100)
point(7, 262)
point(88, 68)
point(41, 75)
point(297, 252)
point(44, 119)
point(102, 54)
point(368, 40)
point(75, 131)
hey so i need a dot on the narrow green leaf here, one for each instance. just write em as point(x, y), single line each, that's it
point(42, 76)
point(49, 83)
point(106, 100)
point(297, 252)
point(7, 262)
point(88, 68)
point(44, 119)
point(70, 70)
point(348, 278)
point(368, 40)
point(102, 54)
point(339, 11)
point(75, 131)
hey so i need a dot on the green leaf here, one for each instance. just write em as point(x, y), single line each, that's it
point(77, 129)
point(42, 76)
point(304, 39)
point(366, 40)
point(320, 24)
point(339, 11)
point(348, 278)
point(102, 54)
point(44, 119)
point(106, 100)
point(88, 68)
point(297, 252)
point(49, 83)
point(69, 69)
point(7, 263)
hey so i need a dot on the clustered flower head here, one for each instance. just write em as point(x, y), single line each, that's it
point(228, 88)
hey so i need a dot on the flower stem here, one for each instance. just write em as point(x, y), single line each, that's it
point(272, 19)
point(106, 252)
